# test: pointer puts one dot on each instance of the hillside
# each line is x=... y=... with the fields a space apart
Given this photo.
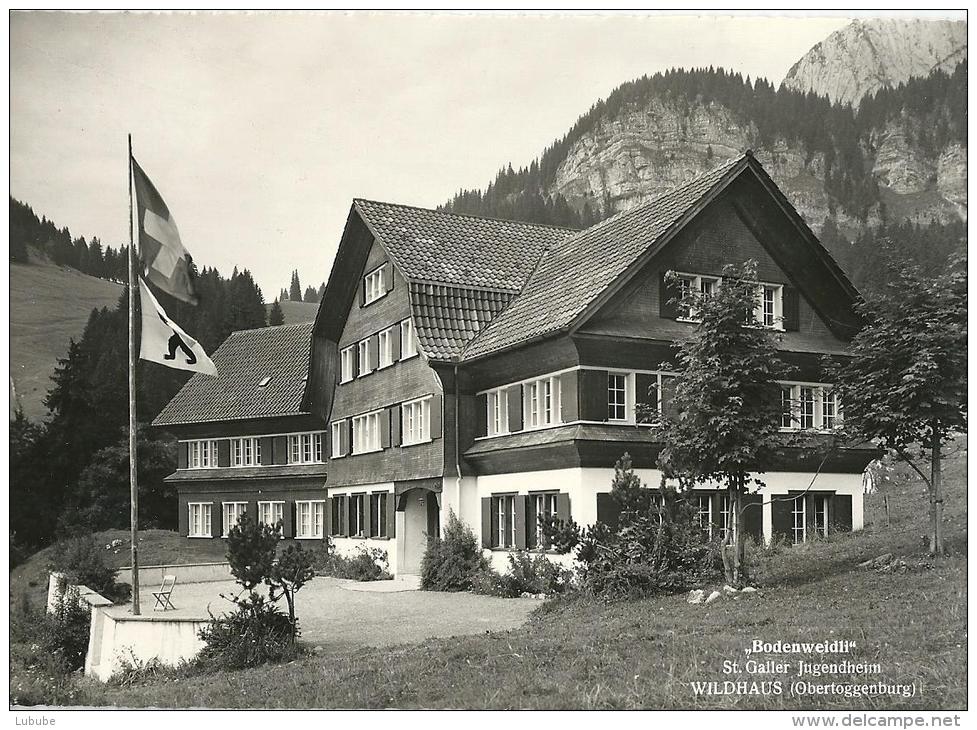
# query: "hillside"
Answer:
x=867 y=55
x=296 y=312
x=49 y=305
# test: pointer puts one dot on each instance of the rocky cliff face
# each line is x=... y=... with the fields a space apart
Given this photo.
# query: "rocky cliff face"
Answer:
x=630 y=159
x=863 y=57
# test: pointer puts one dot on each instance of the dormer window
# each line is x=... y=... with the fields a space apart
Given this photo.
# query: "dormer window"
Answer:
x=264 y=381
x=374 y=286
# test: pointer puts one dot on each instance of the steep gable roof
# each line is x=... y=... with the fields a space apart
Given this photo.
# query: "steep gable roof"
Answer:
x=573 y=273
x=243 y=361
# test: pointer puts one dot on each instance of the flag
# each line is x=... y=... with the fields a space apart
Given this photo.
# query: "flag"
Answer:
x=165 y=262
x=164 y=342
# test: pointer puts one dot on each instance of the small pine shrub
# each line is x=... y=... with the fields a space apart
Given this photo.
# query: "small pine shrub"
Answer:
x=453 y=562
x=255 y=633
x=527 y=573
x=367 y=564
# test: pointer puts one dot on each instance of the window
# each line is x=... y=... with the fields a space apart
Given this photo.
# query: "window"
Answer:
x=819 y=503
x=199 y=521
x=770 y=306
x=504 y=521
x=617 y=396
x=357 y=515
x=693 y=286
x=271 y=513
x=724 y=517
x=786 y=407
x=364 y=358
x=338 y=506
x=544 y=507
x=408 y=345
x=373 y=286
x=386 y=342
x=347 y=358
x=703 y=515
x=305 y=448
x=338 y=427
x=366 y=433
x=799 y=515
x=829 y=409
x=308 y=519
x=378 y=514
x=807 y=407
x=232 y=513
x=246 y=451
x=498 y=413
x=416 y=416
x=542 y=402
x=202 y=455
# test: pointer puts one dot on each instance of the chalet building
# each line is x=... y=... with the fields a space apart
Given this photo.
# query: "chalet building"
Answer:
x=496 y=369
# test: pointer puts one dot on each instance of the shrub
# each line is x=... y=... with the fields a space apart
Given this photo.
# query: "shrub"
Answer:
x=82 y=561
x=366 y=564
x=256 y=632
x=453 y=562
x=535 y=574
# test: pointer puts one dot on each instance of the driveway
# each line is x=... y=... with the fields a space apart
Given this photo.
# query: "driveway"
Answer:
x=336 y=616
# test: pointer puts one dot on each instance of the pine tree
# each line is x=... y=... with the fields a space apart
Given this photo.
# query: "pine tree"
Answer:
x=295 y=290
x=310 y=295
x=276 y=316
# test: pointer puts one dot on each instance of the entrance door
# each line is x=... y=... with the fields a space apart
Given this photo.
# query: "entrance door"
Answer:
x=418 y=506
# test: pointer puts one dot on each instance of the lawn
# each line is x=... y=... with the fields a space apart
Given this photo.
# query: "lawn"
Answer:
x=911 y=621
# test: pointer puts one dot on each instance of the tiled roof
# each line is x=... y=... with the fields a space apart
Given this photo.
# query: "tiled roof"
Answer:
x=459 y=250
x=574 y=272
x=243 y=360
x=448 y=317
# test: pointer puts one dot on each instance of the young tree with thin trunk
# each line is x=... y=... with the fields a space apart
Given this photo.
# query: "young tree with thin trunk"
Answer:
x=726 y=400
x=906 y=384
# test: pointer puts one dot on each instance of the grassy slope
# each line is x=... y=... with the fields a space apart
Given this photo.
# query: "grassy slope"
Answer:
x=48 y=306
x=296 y=312
x=643 y=654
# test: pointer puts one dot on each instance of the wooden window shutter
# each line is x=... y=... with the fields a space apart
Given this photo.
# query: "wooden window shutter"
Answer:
x=436 y=420
x=608 y=510
x=183 y=518
x=488 y=521
x=348 y=437
x=752 y=505
x=840 y=513
x=373 y=348
x=520 y=525
x=388 y=276
x=386 y=427
x=344 y=515
x=327 y=511
x=354 y=358
x=391 y=515
x=792 y=309
x=288 y=516
x=267 y=450
x=396 y=349
x=569 y=401
x=782 y=517
x=592 y=387
x=531 y=522
x=224 y=452
x=396 y=437
x=280 y=449
x=482 y=415
x=362 y=289
x=563 y=506
x=182 y=450
x=645 y=394
x=514 y=395
x=367 y=515
x=216 y=520
x=669 y=294
x=669 y=409
x=252 y=510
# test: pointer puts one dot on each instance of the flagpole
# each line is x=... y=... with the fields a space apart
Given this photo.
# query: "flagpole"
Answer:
x=133 y=484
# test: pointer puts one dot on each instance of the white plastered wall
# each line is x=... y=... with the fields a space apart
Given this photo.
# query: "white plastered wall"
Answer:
x=350 y=546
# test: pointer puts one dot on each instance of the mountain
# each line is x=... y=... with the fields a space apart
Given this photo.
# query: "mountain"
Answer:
x=867 y=55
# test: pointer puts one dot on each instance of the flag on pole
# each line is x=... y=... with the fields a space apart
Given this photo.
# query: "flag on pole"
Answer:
x=164 y=342
x=165 y=261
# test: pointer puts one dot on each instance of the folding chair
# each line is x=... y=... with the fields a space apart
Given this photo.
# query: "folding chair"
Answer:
x=163 y=596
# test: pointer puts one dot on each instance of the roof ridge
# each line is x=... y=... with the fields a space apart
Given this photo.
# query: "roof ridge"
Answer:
x=271 y=327
x=469 y=215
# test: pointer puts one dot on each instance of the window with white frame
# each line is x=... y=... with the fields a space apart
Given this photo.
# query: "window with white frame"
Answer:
x=378 y=514
x=366 y=433
x=542 y=402
x=305 y=448
x=829 y=408
x=347 y=361
x=408 y=344
x=199 y=519
x=819 y=503
x=693 y=286
x=544 y=507
x=703 y=515
x=386 y=345
x=357 y=515
x=799 y=517
x=363 y=357
x=232 y=513
x=246 y=451
x=416 y=417
x=786 y=407
x=504 y=521
x=725 y=521
x=770 y=306
x=373 y=285
x=337 y=439
x=809 y=406
x=202 y=454
x=308 y=519
x=271 y=513
x=617 y=396
x=498 y=412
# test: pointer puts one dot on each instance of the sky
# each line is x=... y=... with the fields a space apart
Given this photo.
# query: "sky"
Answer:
x=259 y=129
